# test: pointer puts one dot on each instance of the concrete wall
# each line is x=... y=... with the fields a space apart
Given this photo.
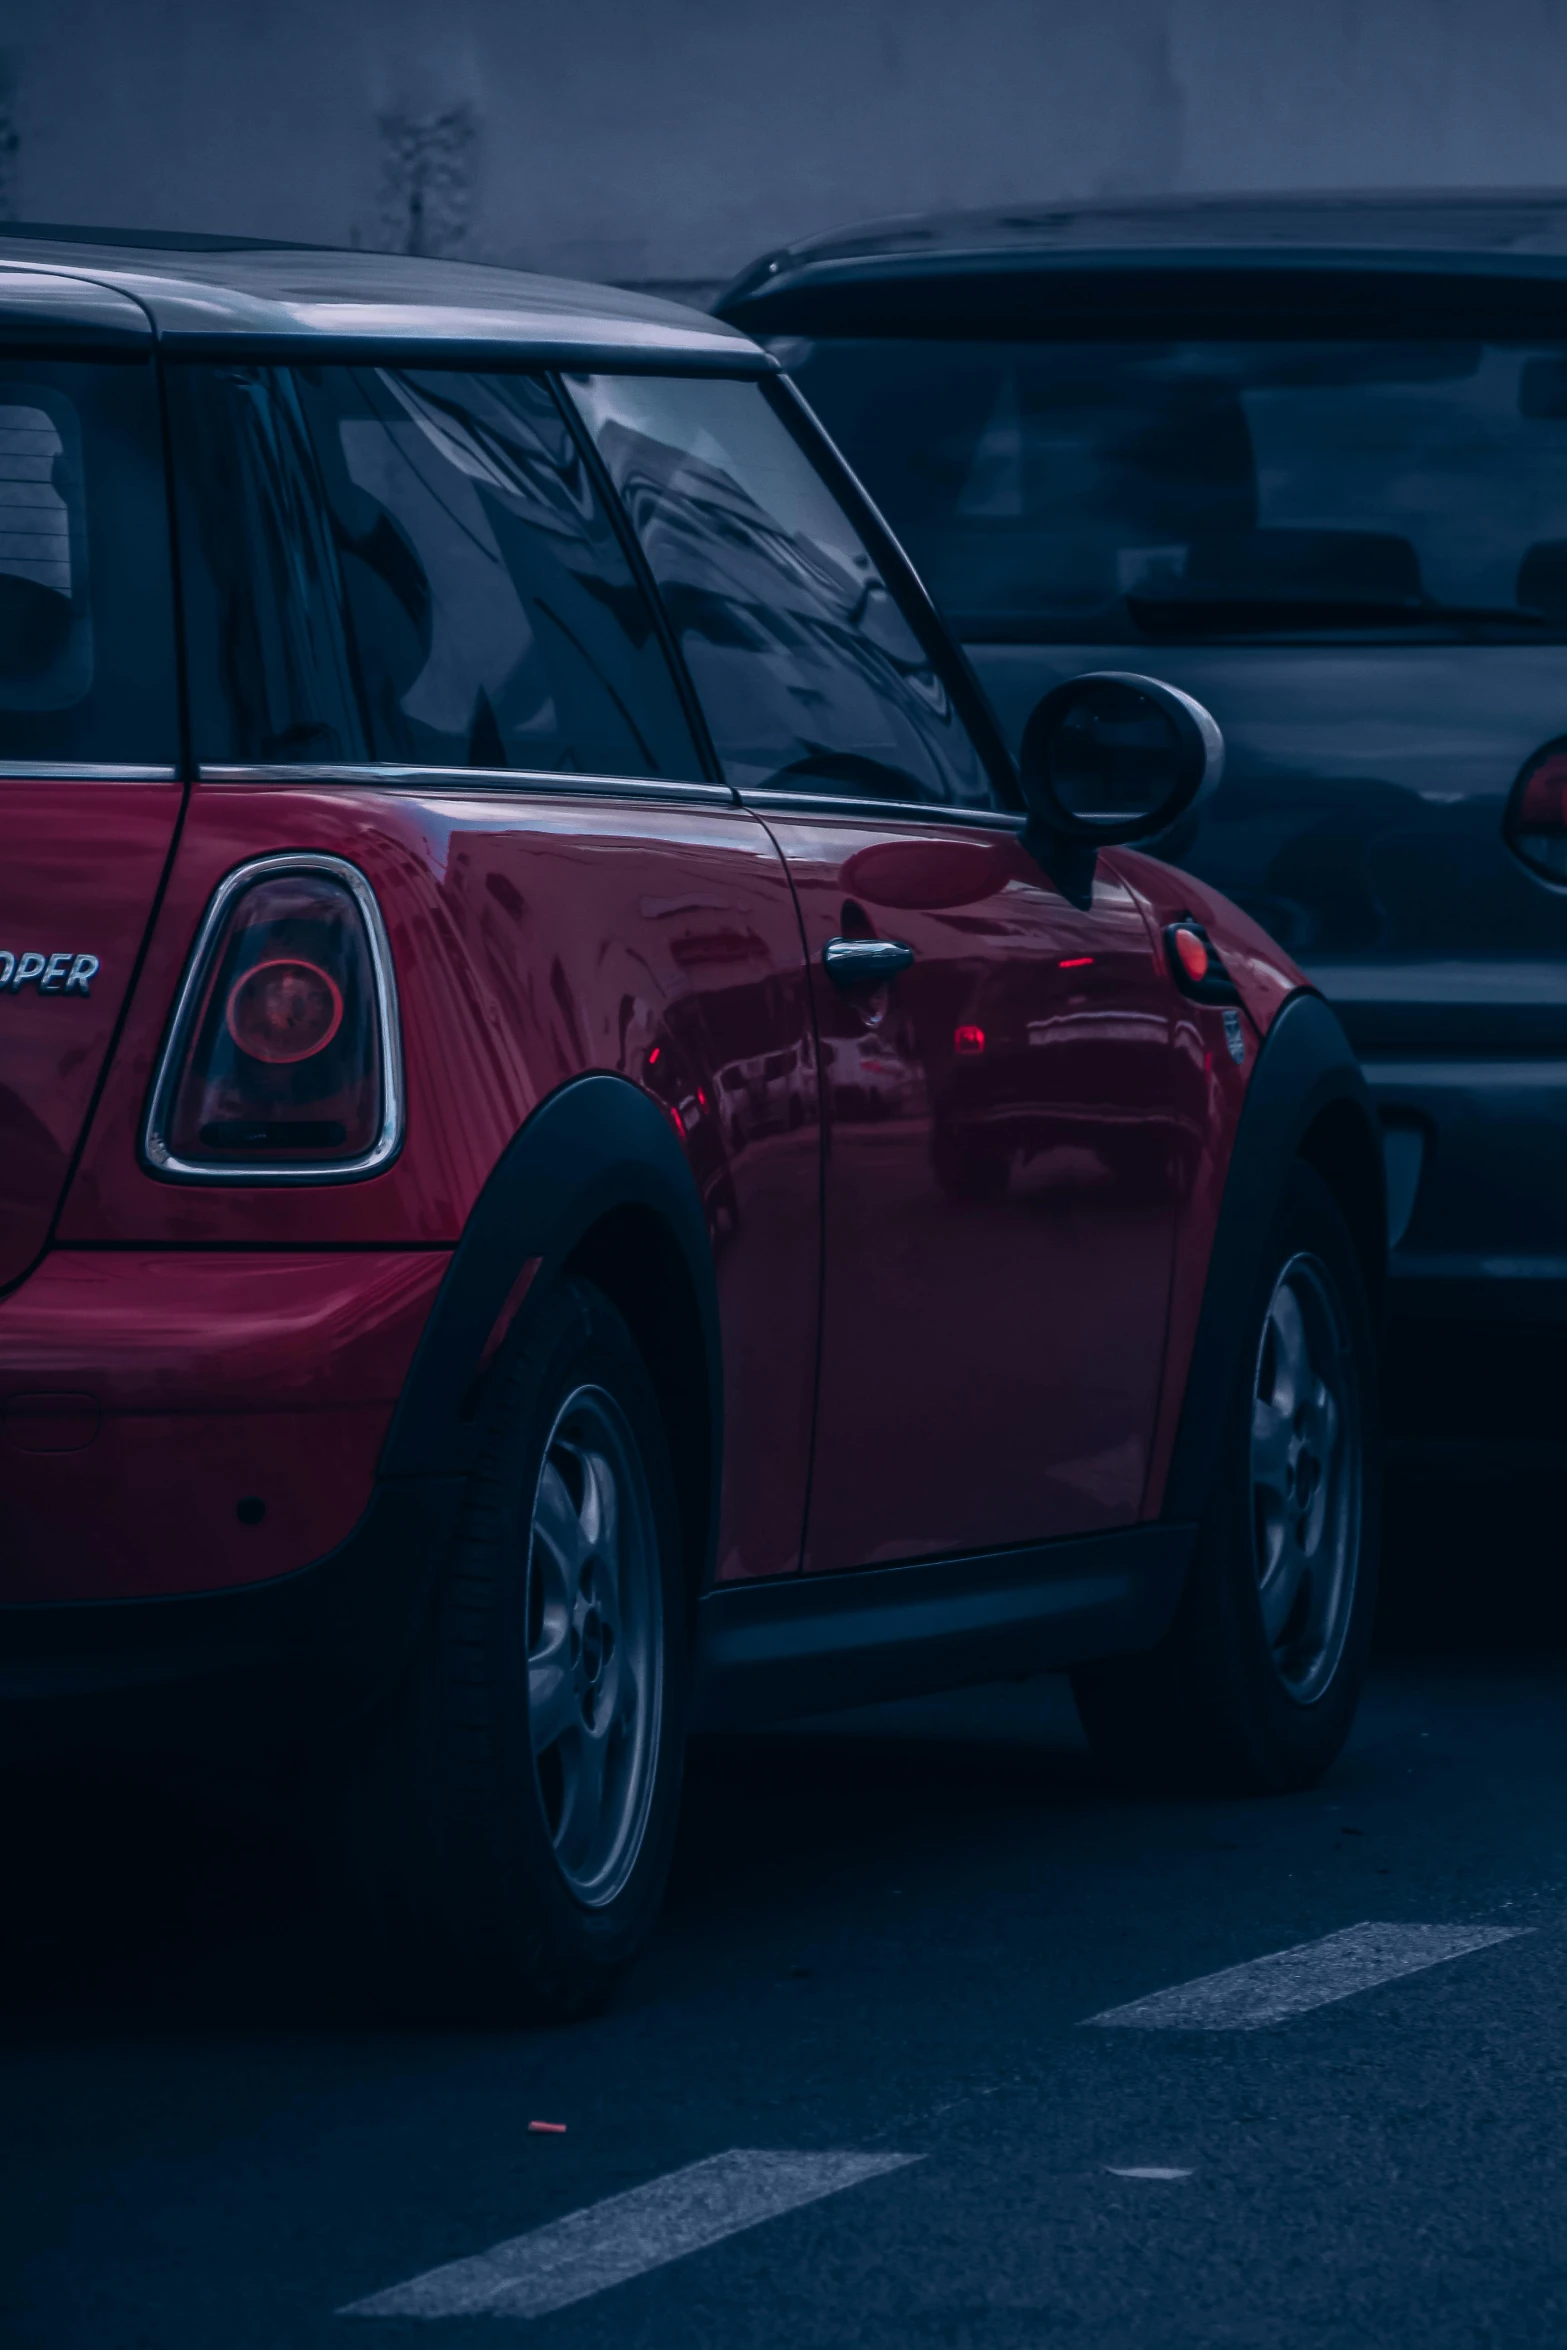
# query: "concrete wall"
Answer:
x=671 y=140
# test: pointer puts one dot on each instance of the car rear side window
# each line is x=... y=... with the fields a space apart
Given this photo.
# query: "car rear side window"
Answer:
x=1131 y=492
x=86 y=612
x=810 y=672
x=421 y=575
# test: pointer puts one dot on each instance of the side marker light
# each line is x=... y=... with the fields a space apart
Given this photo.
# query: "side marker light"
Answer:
x=1197 y=966
x=1191 y=952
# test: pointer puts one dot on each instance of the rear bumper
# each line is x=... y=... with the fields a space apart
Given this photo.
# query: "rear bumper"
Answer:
x=1477 y=1283
x=176 y=1422
x=267 y=1665
x=1477 y=1185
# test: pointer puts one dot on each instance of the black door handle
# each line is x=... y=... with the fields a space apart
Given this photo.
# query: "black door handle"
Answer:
x=865 y=962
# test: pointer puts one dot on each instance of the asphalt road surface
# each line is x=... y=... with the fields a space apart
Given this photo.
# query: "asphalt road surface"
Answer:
x=869 y=2088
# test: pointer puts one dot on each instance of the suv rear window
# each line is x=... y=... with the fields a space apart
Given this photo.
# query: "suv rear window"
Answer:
x=86 y=614
x=1120 y=492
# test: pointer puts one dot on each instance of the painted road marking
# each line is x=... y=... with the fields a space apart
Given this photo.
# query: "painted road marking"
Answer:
x=1267 y=1990
x=627 y=2235
x=1144 y=2170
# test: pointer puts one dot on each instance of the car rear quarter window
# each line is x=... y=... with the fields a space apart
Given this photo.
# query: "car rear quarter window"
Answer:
x=809 y=670
x=1215 y=488
x=413 y=568
x=86 y=611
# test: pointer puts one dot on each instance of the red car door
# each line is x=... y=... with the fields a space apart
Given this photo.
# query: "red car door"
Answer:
x=998 y=1208
x=995 y=1065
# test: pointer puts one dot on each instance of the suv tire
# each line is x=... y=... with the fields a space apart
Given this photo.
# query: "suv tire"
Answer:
x=1254 y=1686
x=511 y=1821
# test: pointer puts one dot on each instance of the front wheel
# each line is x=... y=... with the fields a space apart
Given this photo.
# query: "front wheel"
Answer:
x=1254 y=1687
x=510 y=1824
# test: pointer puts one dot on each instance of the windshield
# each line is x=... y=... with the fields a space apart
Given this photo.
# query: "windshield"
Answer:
x=1120 y=492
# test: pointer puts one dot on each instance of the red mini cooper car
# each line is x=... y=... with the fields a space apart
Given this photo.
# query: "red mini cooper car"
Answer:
x=583 y=1155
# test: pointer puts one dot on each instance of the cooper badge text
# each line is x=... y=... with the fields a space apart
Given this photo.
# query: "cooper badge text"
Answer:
x=66 y=974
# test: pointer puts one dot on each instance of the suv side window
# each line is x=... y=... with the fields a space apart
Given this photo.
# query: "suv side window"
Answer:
x=86 y=605
x=811 y=674
x=449 y=541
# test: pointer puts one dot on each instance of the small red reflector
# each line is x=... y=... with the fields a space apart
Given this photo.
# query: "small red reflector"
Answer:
x=1543 y=804
x=677 y=1121
x=968 y=1039
x=1193 y=954
x=284 y=1010
x=1075 y=962
x=652 y=1059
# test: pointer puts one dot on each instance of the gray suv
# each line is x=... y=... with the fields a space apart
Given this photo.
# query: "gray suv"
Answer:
x=1306 y=460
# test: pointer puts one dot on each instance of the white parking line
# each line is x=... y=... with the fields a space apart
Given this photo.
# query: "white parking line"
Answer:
x=1313 y=1974
x=626 y=2235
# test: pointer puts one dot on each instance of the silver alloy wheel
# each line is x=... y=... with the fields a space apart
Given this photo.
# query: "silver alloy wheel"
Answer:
x=1305 y=1477
x=595 y=1644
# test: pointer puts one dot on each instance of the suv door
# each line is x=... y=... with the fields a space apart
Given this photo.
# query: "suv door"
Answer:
x=89 y=790
x=995 y=1064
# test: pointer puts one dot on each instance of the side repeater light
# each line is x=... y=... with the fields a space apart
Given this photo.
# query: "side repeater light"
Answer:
x=1196 y=964
x=283 y=1061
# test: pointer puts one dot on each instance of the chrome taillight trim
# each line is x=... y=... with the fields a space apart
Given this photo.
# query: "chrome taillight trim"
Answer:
x=155 y=1149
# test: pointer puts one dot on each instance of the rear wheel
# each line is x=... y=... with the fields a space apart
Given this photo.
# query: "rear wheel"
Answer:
x=1254 y=1686
x=511 y=1823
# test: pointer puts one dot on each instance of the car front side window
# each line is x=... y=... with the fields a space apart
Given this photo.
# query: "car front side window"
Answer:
x=811 y=673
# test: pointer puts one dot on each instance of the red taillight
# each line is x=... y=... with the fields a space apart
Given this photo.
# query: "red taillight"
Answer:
x=284 y=1010
x=968 y=1039
x=1536 y=822
x=283 y=1056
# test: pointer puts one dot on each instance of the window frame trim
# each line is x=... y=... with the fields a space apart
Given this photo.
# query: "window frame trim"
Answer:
x=397 y=775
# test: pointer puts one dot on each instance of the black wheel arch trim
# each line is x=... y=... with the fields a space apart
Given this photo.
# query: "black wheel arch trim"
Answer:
x=1307 y=1098
x=595 y=1148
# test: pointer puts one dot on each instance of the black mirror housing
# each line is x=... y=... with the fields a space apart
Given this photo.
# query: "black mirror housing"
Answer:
x=1109 y=758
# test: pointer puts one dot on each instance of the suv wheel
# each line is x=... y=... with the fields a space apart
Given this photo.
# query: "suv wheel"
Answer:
x=511 y=1824
x=1254 y=1686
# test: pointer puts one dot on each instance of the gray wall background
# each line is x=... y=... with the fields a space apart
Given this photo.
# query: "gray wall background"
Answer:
x=671 y=141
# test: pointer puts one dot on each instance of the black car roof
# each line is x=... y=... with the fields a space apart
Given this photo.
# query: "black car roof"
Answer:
x=1501 y=236
x=1501 y=224
x=213 y=293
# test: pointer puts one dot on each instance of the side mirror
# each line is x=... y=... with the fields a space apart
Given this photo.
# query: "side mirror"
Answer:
x=1108 y=758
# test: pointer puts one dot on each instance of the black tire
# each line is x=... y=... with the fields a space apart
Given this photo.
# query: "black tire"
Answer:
x=1219 y=1706
x=451 y=1843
